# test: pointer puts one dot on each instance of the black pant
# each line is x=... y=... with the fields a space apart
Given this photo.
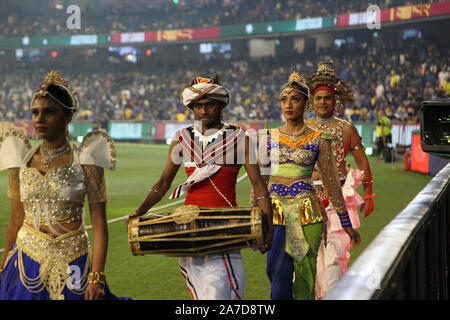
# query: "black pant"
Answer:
x=381 y=145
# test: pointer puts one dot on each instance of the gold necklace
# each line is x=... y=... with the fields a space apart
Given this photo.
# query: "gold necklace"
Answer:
x=323 y=122
x=50 y=154
x=298 y=133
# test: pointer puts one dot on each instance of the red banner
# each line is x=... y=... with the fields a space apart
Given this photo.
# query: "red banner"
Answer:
x=166 y=35
x=416 y=11
x=180 y=35
x=395 y=14
x=129 y=37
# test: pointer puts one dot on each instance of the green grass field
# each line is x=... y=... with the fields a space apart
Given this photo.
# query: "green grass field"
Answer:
x=158 y=277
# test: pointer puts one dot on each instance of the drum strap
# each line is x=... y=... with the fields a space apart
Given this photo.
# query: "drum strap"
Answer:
x=218 y=191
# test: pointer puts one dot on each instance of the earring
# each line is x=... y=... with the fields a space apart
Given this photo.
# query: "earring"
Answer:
x=309 y=106
x=339 y=107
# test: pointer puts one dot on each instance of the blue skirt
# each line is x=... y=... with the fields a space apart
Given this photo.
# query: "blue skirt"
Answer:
x=12 y=288
x=280 y=267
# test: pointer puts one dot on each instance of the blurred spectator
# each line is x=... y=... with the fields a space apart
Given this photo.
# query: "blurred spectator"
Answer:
x=354 y=114
x=382 y=133
x=443 y=75
x=379 y=90
x=446 y=87
x=401 y=115
x=428 y=92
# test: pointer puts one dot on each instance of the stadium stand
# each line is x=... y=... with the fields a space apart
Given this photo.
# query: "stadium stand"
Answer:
x=393 y=78
x=40 y=18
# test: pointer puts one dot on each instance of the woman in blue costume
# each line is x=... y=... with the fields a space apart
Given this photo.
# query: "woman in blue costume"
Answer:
x=288 y=155
x=47 y=253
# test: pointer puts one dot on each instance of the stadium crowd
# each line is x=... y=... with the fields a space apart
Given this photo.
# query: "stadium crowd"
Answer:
x=37 y=18
x=388 y=79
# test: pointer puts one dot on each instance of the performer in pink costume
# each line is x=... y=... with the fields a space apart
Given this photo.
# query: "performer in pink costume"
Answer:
x=330 y=93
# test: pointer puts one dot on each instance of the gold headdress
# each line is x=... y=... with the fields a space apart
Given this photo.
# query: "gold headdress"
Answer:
x=325 y=78
x=296 y=79
x=54 y=78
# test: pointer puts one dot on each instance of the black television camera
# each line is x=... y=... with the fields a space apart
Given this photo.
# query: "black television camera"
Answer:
x=435 y=127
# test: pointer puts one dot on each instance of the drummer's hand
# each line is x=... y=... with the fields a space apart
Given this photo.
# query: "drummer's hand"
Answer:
x=354 y=236
x=131 y=216
x=94 y=291
x=268 y=242
x=264 y=249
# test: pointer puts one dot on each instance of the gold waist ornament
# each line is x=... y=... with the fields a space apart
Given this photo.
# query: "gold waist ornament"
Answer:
x=307 y=207
x=54 y=256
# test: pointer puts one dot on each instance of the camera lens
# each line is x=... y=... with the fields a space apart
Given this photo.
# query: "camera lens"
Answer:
x=437 y=125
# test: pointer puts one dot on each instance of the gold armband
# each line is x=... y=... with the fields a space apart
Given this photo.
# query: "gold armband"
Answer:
x=357 y=146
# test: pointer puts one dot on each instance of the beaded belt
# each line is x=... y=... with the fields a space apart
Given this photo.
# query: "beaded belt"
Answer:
x=293 y=190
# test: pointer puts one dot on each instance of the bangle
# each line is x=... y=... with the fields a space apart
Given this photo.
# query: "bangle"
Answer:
x=262 y=197
x=367 y=181
x=345 y=220
x=156 y=191
x=370 y=196
x=97 y=277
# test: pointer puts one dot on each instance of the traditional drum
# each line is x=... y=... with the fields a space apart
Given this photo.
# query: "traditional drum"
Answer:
x=190 y=230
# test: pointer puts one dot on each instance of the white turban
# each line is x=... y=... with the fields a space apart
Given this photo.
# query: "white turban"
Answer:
x=205 y=89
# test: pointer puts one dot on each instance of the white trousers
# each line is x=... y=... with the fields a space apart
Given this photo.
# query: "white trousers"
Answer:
x=333 y=257
x=332 y=261
x=215 y=276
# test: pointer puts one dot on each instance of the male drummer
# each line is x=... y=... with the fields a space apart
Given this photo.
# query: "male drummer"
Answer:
x=213 y=153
